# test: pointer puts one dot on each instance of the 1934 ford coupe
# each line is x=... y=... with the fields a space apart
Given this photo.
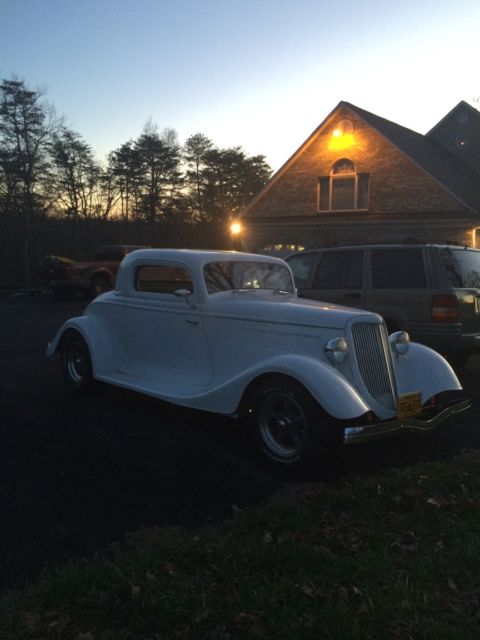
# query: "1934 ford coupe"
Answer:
x=225 y=332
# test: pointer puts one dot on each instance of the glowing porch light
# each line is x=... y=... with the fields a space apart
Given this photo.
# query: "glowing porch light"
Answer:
x=342 y=135
x=235 y=228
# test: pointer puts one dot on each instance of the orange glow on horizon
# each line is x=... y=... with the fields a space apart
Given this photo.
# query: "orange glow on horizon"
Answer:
x=235 y=228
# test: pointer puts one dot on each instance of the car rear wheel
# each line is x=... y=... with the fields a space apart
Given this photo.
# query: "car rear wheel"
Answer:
x=289 y=426
x=76 y=361
x=98 y=285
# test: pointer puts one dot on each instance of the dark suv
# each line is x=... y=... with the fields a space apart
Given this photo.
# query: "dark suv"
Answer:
x=431 y=291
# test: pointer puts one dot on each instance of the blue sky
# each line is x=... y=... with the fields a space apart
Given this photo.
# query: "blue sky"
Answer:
x=255 y=73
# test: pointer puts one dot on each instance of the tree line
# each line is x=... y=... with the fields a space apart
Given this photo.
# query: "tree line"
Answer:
x=151 y=188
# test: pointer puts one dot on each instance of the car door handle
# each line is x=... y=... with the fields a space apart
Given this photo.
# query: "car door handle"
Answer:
x=192 y=322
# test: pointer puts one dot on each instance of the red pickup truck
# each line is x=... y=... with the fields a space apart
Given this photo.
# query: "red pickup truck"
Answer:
x=66 y=277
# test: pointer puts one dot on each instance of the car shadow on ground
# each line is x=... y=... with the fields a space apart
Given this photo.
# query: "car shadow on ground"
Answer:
x=117 y=461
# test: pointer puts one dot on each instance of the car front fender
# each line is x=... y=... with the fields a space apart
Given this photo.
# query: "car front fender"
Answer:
x=329 y=388
x=423 y=369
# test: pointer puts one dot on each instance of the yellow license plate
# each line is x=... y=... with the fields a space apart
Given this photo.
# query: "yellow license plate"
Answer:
x=409 y=404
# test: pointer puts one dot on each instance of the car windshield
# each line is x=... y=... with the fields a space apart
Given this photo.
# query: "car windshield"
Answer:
x=463 y=267
x=231 y=275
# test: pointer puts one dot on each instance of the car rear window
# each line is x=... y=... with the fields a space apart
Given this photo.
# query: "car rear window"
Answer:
x=398 y=269
x=162 y=279
x=462 y=267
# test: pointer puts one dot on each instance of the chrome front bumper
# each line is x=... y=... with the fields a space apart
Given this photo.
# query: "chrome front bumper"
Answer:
x=375 y=431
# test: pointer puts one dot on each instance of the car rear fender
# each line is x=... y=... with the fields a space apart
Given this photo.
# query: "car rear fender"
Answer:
x=331 y=390
x=106 y=351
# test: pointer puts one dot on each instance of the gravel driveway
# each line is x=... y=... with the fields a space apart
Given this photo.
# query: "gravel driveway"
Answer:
x=78 y=473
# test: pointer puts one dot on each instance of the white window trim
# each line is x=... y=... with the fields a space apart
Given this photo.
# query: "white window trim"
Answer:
x=340 y=176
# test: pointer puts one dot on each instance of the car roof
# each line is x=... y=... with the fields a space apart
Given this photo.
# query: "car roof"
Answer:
x=193 y=258
x=410 y=245
x=196 y=256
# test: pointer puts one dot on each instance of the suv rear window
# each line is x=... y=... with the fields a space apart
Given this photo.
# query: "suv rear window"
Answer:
x=462 y=267
x=398 y=269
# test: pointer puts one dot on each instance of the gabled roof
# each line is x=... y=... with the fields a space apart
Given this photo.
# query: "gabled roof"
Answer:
x=455 y=176
x=462 y=104
x=443 y=166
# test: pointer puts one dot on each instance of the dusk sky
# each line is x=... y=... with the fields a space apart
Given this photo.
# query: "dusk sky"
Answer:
x=254 y=73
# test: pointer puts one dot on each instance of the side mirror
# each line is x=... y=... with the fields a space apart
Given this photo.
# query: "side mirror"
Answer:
x=185 y=294
x=182 y=293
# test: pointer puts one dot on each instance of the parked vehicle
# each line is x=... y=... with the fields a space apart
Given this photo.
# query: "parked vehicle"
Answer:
x=66 y=277
x=226 y=332
x=430 y=291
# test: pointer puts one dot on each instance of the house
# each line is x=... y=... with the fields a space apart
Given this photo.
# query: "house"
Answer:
x=361 y=178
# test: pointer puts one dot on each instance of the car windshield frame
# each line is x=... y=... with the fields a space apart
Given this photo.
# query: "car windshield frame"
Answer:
x=251 y=275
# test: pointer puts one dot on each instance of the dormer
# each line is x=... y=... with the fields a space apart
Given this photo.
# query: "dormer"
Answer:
x=459 y=132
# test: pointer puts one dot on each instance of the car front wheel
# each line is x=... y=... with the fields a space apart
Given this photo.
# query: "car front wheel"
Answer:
x=76 y=361
x=289 y=426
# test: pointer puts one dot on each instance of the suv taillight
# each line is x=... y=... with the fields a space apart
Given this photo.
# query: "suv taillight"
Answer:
x=445 y=308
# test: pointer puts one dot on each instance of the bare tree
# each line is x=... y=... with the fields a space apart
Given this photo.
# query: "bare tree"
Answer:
x=26 y=128
x=82 y=185
x=195 y=150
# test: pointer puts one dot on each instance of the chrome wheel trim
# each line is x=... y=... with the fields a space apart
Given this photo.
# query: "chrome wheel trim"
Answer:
x=76 y=362
x=282 y=424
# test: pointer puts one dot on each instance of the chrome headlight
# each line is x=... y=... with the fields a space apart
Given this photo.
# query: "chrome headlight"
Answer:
x=399 y=342
x=337 y=350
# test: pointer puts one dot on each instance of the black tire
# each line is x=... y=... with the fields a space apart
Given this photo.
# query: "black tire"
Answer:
x=76 y=362
x=98 y=284
x=288 y=426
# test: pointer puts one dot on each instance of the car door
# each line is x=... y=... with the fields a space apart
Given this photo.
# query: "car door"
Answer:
x=164 y=330
x=338 y=278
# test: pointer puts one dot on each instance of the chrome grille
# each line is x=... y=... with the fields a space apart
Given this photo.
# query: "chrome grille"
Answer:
x=371 y=350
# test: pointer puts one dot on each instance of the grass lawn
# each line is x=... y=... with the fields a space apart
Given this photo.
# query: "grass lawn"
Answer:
x=396 y=556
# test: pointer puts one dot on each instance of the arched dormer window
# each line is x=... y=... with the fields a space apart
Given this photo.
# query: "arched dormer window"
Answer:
x=344 y=189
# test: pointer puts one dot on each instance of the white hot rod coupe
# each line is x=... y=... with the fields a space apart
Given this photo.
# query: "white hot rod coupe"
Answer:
x=225 y=332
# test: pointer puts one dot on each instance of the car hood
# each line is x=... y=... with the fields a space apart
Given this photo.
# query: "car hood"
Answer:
x=266 y=306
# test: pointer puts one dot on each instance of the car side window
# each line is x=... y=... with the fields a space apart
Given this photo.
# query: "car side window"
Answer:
x=160 y=278
x=398 y=269
x=462 y=267
x=301 y=265
x=339 y=270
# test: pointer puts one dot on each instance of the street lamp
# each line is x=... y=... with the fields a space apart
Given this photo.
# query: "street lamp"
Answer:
x=236 y=232
x=235 y=228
